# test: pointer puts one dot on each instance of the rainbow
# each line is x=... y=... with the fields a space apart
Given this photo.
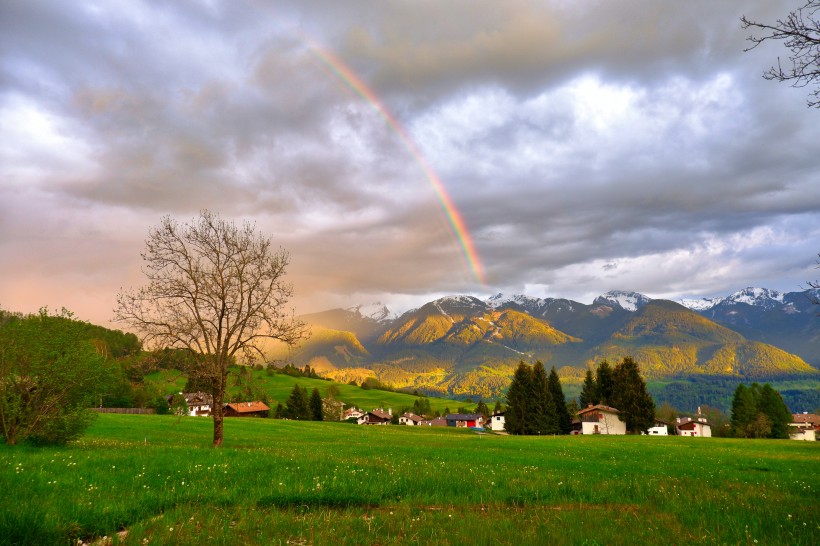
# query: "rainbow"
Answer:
x=452 y=213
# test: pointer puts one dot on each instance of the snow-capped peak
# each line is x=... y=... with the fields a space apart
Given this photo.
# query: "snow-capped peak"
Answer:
x=376 y=311
x=628 y=301
x=760 y=297
x=527 y=302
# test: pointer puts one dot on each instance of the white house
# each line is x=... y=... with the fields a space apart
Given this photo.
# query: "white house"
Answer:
x=410 y=419
x=601 y=419
x=658 y=430
x=699 y=426
x=497 y=422
x=353 y=412
x=199 y=403
x=804 y=426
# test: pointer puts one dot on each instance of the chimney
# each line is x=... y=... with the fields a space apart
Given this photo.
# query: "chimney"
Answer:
x=589 y=406
x=389 y=411
x=678 y=420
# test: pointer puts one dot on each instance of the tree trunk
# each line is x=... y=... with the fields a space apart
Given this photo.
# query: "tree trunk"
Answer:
x=218 y=413
x=218 y=418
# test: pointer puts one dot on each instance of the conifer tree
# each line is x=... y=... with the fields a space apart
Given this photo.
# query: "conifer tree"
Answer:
x=605 y=384
x=589 y=391
x=297 y=404
x=498 y=407
x=631 y=397
x=482 y=409
x=517 y=400
x=562 y=416
x=316 y=405
x=541 y=419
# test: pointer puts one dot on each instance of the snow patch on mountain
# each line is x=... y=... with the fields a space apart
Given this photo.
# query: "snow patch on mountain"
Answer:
x=533 y=306
x=376 y=311
x=757 y=297
x=628 y=301
x=760 y=297
x=701 y=304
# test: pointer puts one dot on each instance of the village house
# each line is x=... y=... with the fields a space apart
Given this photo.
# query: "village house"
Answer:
x=199 y=403
x=698 y=426
x=661 y=428
x=352 y=413
x=246 y=409
x=804 y=426
x=410 y=419
x=376 y=417
x=497 y=422
x=464 y=420
x=437 y=422
x=600 y=419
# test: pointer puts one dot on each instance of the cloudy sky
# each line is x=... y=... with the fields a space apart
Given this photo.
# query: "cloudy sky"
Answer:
x=588 y=146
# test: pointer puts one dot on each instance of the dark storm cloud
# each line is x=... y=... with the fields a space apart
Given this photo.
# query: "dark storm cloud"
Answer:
x=589 y=146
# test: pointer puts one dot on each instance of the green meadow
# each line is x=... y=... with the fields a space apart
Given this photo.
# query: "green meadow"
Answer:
x=156 y=480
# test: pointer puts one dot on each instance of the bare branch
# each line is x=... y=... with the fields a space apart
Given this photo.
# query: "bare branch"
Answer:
x=214 y=289
x=800 y=33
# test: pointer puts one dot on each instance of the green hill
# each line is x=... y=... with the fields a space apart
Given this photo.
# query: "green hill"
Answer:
x=278 y=387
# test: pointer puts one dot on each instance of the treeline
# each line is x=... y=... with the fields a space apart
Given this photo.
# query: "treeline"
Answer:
x=759 y=412
x=52 y=369
x=622 y=388
x=689 y=392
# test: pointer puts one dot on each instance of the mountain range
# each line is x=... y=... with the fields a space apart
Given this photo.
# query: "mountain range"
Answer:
x=462 y=345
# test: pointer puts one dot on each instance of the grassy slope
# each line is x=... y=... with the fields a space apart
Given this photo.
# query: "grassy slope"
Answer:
x=288 y=482
x=278 y=387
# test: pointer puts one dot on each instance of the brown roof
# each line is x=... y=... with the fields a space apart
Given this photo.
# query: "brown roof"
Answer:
x=598 y=407
x=413 y=417
x=809 y=418
x=381 y=414
x=248 y=407
x=695 y=420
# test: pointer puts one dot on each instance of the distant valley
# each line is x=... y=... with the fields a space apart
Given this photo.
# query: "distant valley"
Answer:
x=465 y=346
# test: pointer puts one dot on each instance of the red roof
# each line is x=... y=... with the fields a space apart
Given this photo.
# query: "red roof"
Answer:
x=809 y=418
x=248 y=407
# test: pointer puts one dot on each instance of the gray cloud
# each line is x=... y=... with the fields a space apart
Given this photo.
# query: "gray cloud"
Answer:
x=588 y=146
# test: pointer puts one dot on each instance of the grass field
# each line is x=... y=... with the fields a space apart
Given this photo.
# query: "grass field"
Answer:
x=283 y=482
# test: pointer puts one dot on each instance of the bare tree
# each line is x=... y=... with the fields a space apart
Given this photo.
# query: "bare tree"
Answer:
x=216 y=290
x=800 y=32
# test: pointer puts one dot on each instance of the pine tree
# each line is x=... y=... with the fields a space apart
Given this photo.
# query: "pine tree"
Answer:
x=517 y=397
x=483 y=409
x=562 y=416
x=297 y=404
x=498 y=407
x=589 y=391
x=605 y=383
x=316 y=405
x=541 y=417
x=631 y=397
